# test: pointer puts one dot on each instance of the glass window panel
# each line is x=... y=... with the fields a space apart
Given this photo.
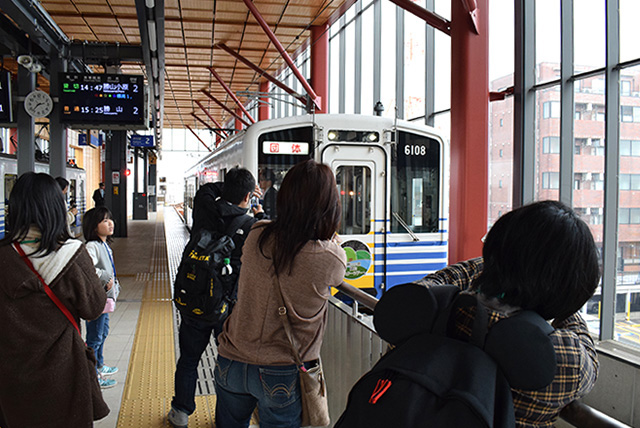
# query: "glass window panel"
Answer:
x=547 y=165
x=628 y=256
x=442 y=91
x=354 y=186
x=388 y=67
x=443 y=8
x=500 y=158
x=334 y=74
x=414 y=66
x=547 y=36
x=629 y=30
x=589 y=34
x=501 y=43
x=366 y=81
x=349 y=70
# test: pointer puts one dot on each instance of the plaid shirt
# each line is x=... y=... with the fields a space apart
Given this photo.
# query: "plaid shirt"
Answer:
x=576 y=365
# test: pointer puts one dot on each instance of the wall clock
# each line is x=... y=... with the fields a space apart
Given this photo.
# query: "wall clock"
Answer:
x=38 y=104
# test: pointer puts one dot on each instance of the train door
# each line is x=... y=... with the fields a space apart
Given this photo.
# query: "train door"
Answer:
x=360 y=176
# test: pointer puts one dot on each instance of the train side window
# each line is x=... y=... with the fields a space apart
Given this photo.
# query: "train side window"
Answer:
x=354 y=186
x=415 y=181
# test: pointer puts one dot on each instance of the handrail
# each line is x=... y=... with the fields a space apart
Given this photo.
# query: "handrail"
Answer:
x=360 y=296
x=575 y=413
x=580 y=415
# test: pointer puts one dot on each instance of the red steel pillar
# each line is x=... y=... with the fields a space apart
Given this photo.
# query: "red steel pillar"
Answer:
x=469 y=131
x=263 y=106
x=237 y=123
x=320 y=64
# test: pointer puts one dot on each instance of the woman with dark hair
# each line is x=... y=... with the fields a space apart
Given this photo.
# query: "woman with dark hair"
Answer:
x=540 y=257
x=46 y=377
x=299 y=251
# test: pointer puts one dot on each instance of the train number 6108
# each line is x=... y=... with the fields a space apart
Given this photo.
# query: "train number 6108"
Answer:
x=415 y=150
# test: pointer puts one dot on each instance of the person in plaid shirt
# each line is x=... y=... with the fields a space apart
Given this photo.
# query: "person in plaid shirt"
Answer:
x=539 y=257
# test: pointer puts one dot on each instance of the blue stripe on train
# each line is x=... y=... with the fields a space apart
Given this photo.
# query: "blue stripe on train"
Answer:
x=411 y=244
x=414 y=256
x=378 y=269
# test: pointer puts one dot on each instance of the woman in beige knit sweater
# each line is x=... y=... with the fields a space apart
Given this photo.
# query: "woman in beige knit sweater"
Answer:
x=255 y=363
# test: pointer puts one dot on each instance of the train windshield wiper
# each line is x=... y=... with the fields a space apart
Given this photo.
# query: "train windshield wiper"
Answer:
x=406 y=226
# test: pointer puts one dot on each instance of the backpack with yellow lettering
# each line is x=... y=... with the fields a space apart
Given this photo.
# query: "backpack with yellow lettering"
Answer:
x=205 y=285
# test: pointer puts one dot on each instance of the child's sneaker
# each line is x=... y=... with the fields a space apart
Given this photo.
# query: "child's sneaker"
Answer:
x=107 y=371
x=106 y=383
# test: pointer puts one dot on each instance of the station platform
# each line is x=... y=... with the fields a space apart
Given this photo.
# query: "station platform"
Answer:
x=143 y=328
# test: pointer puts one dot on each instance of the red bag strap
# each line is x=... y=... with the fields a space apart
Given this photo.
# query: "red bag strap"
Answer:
x=47 y=289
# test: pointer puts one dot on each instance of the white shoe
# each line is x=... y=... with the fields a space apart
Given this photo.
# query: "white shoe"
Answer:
x=178 y=418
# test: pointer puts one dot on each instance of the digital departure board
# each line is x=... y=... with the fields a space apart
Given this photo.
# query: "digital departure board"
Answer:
x=5 y=97
x=104 y=101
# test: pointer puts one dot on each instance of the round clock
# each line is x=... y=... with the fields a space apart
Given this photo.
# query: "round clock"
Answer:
x=38 y=104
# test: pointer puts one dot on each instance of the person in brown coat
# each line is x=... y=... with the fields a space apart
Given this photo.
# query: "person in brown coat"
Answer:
x=46 y=377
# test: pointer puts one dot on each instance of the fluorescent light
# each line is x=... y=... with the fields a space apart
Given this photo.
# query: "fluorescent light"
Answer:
x=150 y=3
x=154 y=67
x=153 y=38
x=157 y=88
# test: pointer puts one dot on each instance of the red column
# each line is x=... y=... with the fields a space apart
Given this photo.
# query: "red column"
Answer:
x=469 y=131
x=320 y=64
x=237 y=123
x=263 y=107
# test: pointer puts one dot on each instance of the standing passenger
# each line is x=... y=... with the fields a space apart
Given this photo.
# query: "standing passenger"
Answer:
x=255 y=364
x=98 y=195
x=45 y=377
x=194 y=335
x=97 y=227
x=270 y=194
x=540 y=257
x=73 y=211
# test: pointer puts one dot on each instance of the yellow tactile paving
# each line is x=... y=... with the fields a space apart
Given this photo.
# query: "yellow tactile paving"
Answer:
x=149 y=386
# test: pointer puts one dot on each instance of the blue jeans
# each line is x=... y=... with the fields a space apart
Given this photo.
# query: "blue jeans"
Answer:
x=240 y=387
x=193 y=338
x=97 y=332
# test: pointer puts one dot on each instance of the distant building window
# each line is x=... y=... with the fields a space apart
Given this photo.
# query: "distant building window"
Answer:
x=600 y=117
x=629 y=182
x=630 y=114
x=625 y=87
x=550 y=180
x=629 y=147
x=551 y=145
x=551 y=109
x=598 y=86
x=501 y=122
x=501 y=152
x=629 y=216
x=578 y=115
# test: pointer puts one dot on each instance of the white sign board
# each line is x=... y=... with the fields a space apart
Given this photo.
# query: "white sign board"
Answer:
x=115 y=177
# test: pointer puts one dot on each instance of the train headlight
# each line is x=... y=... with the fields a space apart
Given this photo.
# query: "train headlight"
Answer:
x=372 y=136
x=332 y=135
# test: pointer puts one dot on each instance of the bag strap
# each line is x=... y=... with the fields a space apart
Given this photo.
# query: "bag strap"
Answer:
x=47 y=289
x=282 y=312
x=238 y=222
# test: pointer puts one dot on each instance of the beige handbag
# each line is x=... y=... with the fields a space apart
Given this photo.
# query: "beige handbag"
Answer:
x=313 y=390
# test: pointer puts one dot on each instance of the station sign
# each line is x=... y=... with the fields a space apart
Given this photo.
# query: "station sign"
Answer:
x=142 y=141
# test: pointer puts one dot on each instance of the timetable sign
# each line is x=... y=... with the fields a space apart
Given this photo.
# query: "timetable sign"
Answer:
x=285 y=148
x=104 y=101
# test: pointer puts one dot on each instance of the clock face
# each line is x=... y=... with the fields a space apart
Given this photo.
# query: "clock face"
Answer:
x=38 y=104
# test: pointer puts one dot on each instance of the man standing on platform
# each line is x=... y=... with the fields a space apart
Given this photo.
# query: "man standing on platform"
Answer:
x=270 y=194
x=215 y=211
x=98 y=195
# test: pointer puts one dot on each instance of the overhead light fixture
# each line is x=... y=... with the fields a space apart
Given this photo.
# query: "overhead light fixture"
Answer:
x=153 y=38
x=157 y=88
x=150 y=3
x=154 y=67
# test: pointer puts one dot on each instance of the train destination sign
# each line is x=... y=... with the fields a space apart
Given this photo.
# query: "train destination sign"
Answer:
x=285 y=148
x=106 y=101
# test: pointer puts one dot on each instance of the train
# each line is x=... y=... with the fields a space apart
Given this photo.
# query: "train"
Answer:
x=392 y=177
x=75 y=195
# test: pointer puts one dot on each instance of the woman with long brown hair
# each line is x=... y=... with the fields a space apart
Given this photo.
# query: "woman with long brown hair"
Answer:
x=298 y=250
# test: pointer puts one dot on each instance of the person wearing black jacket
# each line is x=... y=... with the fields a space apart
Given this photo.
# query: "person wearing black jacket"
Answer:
x=216 y=206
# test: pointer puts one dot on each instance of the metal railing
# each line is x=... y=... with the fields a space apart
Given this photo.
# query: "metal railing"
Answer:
x=352 y=347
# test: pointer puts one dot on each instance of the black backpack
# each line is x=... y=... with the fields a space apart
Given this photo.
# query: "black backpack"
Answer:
x=431 y=379
x=205 y=284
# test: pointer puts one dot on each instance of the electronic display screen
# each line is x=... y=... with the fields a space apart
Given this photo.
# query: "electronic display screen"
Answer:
x=5 y=97
x=107 y=101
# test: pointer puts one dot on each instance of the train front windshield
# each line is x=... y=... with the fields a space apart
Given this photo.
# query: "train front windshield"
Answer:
x=279 y=150
x=415 y=196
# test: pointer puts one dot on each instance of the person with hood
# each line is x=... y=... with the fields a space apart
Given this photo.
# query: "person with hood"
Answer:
x=48 y=378
x=215 y=207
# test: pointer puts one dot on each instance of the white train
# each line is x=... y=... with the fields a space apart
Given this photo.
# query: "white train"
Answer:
x=393 y=178
x=76 y=194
